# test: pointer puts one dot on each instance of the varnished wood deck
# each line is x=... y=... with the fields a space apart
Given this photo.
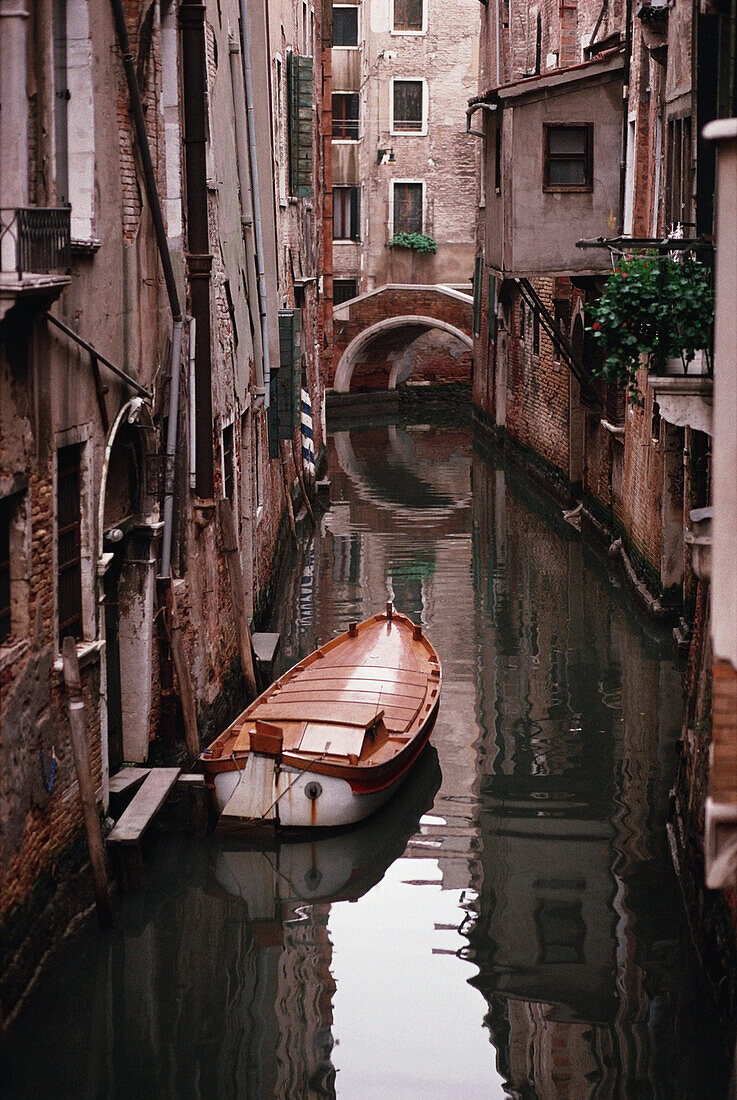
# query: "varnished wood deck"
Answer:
x=383 y=676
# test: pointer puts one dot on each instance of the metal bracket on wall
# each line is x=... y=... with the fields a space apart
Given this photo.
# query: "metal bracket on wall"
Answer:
x=589 y=395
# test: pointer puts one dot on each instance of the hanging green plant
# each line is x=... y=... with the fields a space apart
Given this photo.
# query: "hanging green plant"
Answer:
x=418 y=242
x=654 y=306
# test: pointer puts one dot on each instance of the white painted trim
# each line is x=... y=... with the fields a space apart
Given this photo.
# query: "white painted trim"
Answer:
x=344 y=370
x=441 y=288
x=408 y=34
x=80 y=121
x=422 y=132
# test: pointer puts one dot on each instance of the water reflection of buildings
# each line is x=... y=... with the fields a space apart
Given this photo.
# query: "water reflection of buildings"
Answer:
x=577 y=914
x=217 y=978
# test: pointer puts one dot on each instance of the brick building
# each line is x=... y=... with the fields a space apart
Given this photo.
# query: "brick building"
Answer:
x=161 y=221
x=592 y=123
x=401 y=164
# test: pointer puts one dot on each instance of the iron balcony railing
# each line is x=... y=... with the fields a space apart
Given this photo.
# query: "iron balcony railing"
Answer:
x=35 y=239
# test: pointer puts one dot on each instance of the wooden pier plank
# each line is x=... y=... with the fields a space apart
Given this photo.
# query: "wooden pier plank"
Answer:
x=126 y=778
x=145 y=805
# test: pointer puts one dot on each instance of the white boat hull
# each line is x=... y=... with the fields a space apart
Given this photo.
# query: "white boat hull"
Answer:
x=291 y=798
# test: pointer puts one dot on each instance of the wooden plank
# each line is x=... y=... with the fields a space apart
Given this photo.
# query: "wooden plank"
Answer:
x=372 y=688
x=127 y=778
x=349 y=714
x=330 y=700
x=265 y=646
x=329 y=671
x=80 y=751
x=238 y=596
x=145 y=805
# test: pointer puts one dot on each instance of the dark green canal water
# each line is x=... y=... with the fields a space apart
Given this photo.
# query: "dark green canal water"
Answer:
x=509 y=926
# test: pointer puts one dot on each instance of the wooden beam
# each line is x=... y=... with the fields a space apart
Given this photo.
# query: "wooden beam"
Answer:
x=80 y=748
x=186 y=691
x=231 y=550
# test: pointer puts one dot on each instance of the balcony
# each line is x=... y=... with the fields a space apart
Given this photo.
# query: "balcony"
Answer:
x=35 y=253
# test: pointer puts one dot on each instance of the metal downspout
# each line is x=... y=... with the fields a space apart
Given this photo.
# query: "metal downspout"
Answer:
x=199 y=257
x=625 y=112
x=256 y=192
x=247 y=198
x=152 y=194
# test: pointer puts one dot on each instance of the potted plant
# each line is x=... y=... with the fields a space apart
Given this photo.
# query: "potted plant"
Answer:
x=418 y=242
x=654 y=308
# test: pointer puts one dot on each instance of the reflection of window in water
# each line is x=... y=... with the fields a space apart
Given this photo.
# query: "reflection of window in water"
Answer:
x=560 y=931
x=407 y=594
x=346 y=559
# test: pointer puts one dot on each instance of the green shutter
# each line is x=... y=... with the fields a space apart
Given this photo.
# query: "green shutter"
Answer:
x=478 y=291
x=301 y=128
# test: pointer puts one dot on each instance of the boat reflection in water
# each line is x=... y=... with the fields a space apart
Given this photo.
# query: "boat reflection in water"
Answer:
x=335 y=867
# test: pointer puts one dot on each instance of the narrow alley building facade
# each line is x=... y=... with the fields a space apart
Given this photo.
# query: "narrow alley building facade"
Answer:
x=592 y=123
x=162 y=334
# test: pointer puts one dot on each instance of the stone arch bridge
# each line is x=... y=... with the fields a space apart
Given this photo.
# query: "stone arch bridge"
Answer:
x=398 y=332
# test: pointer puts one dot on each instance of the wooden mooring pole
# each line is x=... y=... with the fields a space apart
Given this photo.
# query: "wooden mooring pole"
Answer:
x=230 y=546
x=80 y=748
x=186 y=691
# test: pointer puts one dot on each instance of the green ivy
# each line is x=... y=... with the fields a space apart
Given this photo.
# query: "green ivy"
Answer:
x=418 y=242
x=651 y=305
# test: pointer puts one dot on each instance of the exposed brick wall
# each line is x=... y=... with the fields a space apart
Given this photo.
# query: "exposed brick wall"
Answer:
x=537 y=386
x=396 y=302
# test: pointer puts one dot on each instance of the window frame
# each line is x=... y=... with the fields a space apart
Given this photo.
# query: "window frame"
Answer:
x=69 y=465
x=422 y=131
x=354 y=191
x=228 y=466
x=588 y=157
x=356 y=45
x=357 y=120
x=679 y=169
x=393 y=184
x=342 y=281
x=396 y=30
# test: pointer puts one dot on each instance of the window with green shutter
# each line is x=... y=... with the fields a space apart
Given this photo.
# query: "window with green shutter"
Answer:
x=301 y=128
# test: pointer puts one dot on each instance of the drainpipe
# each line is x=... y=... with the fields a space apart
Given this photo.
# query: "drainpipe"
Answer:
x=247 y=200
x=256 y=192
x=152 y=195
x=199 y=257
x=14 y=98
x=625 y=112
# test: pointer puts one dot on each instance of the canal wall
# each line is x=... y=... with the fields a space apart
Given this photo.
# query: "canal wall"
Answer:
x=712 y=914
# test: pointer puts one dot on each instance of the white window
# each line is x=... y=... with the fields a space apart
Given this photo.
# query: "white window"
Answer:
x=629 y=179
x=170 y=110
x=74 y=123
x=407 y=206
x=408 y=107
x=409 y=17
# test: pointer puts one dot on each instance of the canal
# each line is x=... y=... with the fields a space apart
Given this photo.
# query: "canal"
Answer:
x=509 y=926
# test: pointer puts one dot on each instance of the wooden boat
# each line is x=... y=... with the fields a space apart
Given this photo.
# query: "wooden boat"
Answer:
x=332 y=739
